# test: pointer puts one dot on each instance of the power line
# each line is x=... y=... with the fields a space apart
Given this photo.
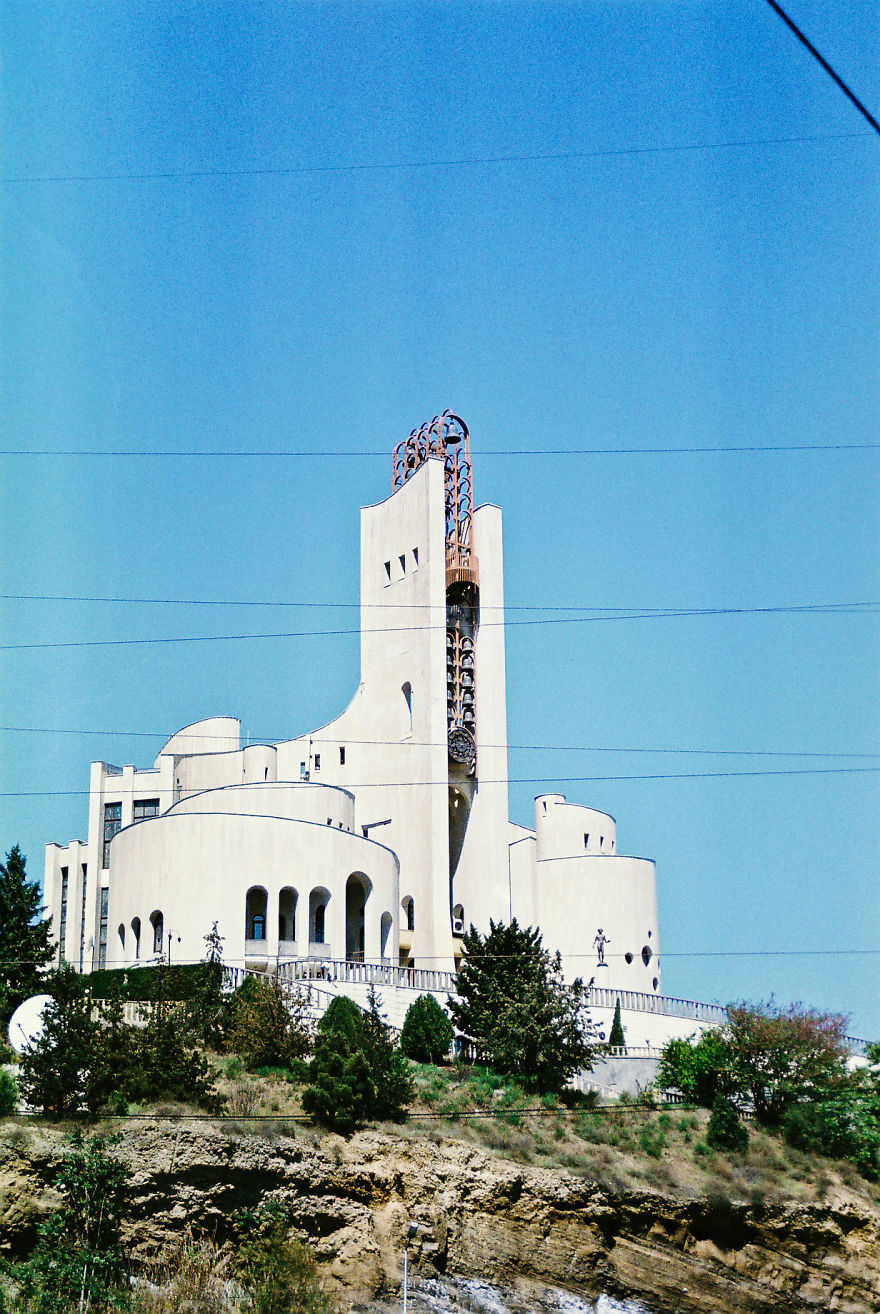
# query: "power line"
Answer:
x=837 y=609
x=824 y=62
x=282 y=171
x=289 y=454
x=323 y=605
x=318 y=739
x=508 y=780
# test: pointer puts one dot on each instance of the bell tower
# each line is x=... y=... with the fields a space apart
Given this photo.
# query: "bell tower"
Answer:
x=447 y=437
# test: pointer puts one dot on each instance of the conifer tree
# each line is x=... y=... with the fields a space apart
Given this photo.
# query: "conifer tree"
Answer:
x=617 y=1039
x=513 y=1003
x=25 y=940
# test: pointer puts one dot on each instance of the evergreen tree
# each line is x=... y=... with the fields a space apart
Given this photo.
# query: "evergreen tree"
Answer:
x=617 y=1040
x=70 y=1069
x=515 y=1006
x=25 y=940
x=426 y=1036
x=357 y=1071
x=725 y=1130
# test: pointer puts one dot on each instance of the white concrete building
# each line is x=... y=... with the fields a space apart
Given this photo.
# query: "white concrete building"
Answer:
x=376 y=839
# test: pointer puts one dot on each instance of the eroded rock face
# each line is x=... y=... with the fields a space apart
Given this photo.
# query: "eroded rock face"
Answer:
x=477 y=1215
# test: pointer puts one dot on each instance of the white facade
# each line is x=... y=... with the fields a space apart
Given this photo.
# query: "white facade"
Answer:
x=378 y=837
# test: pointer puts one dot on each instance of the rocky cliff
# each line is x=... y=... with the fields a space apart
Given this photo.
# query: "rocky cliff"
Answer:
x=477 y=1215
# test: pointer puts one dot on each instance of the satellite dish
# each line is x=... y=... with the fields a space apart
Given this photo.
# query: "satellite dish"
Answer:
x=26 y=1023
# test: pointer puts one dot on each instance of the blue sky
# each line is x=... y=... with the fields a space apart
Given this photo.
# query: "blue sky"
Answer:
x=310 y=227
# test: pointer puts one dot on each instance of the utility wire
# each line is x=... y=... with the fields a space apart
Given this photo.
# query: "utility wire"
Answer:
x=824 y=62
x=484 y=453
x=428 y=958
x=509 y=780
x=859 y=609
x=322 y=605
x=318 y=740
x=462 y=162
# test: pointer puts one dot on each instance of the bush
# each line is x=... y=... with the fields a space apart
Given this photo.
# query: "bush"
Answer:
x=268 y=1027
x=845 y=1124
x=177 y=981
x=8 y=1094
x=78 y=1261
x=277 y=1271
x=426 y=1036
x=725 y=1130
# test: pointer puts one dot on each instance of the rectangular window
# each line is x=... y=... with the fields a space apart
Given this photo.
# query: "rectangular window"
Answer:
x=586 y=840
x=302 y=768
x=112 y=826
x=82 y=919
x=62 y=929
x=317 y=761
x=102 y=929
x=388 y=572
x=145 y=807
x=342 y=755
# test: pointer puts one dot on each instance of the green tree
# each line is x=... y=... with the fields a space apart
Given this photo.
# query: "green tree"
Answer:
x=843 y=1122
x=8 y=1094
x=427 y=1033
x=389 y=1071
x=617 y=1040
x=78 y=1262
x=266 y=1025
x=781 y=1055
x=513 y=1004
x=71 y=1068
x=357 y=1071
x=88 y=1057
x=340 y=1090
x=701 y=1067
x=166 y=1062
x=25 y=940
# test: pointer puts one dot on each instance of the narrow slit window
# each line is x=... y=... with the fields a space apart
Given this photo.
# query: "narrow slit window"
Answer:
x=402 y=560
x=415 y=557
x=387 y=572
x=586 y=840
x=342 y=755
x=317 y=761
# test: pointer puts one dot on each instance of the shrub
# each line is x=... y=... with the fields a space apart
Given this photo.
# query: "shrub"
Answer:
x=725 y=1130
x=8 y=1094
x=78 y=1261
x=652 y=1141
x=426 y=1036
x=277 y=1271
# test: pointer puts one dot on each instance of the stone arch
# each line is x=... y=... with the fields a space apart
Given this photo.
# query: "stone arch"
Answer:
x=157 y=921
x=318 y=901
x=385 y=926
x=287 y=901
x=357 y=892
x=255 y=908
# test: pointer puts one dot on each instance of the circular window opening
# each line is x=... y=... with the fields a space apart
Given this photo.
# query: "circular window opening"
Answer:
x=646 y=954
x=601 y=1035
x=649 y=935
x=628 y=956
x=656 y=982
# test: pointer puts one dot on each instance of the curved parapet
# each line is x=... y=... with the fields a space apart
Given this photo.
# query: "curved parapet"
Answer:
x=567 y=830
x=326 y=805
x=216 y=734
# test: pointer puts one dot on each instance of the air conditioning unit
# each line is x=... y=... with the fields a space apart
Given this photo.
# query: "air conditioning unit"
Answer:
x=458 y=926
